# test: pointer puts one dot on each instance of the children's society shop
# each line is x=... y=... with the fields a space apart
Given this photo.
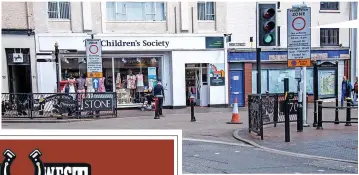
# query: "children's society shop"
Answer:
x=186 y=64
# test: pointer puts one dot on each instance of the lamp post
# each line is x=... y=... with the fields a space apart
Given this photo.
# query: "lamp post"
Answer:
x=57 y=67
x=227 y=37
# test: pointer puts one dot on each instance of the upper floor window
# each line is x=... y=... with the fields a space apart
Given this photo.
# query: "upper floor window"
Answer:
x=59 y=10
x=206 y=11
x=136 y=11
x=329 y=37
x=329 y=5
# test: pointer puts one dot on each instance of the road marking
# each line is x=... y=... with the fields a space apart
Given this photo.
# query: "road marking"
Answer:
x=237 y=151
x=218 y=142
x=196 y=155
x=321 y=170
x=216 y=153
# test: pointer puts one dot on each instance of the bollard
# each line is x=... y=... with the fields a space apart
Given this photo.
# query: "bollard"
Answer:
x=320 y=115
x=349 y=104
x=336 y=111
x=157 y=116
x=286 y=111
x=299 y=117
x=193 y=118
x=42 y=106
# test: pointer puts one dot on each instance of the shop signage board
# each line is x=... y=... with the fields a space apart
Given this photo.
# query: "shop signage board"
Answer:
x=299 y=37
x=94 y=58
x=214 y=42
x=217 y=75
x=103 y=104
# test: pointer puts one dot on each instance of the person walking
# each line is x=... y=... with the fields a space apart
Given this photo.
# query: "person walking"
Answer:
x=346 y=90
x=355 y=90
x=158 y=91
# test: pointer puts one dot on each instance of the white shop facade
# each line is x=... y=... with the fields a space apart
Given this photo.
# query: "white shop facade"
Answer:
x=186 y=64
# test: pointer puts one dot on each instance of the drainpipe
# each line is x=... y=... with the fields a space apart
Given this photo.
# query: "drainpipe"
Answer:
x=27 y=16
x=353 y=44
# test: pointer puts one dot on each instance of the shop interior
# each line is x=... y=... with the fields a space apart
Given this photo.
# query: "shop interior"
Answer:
x=197 y=84
x=130 y=77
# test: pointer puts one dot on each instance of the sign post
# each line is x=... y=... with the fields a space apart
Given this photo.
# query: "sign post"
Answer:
x=94 y=58
x=299 y=48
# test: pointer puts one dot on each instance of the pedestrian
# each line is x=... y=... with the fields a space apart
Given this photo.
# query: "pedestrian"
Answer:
x=355 y=90
x=346 y=90
x=158 y=91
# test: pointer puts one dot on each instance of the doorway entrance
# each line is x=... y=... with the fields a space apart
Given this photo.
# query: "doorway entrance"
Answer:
x=19 y=70
x=197 y=84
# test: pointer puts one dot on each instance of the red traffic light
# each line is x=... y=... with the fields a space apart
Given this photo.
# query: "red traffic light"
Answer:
x=269 y=26
x=268 y=13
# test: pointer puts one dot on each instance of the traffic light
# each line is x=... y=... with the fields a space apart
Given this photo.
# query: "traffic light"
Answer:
x=267 y=27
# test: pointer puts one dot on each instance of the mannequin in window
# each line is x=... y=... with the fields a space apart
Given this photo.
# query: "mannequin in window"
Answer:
x=81 y=87
x=139 y=82
x=89 y=87
x=102 y=85
x=131 y=82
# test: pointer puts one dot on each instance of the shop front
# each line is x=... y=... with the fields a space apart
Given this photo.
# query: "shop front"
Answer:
x=131 y=65
x=274 y=68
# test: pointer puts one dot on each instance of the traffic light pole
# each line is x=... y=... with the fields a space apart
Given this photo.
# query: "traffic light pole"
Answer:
x=258 y=60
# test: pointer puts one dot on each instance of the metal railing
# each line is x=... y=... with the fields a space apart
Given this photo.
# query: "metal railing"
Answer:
x=58 y=105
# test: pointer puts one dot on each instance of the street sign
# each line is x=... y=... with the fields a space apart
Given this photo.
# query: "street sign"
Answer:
x=299 y=37
x=94 y=58
x=95 y=83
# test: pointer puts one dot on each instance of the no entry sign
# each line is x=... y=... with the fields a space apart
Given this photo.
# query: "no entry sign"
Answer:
x=94 y=58
x=299 y=37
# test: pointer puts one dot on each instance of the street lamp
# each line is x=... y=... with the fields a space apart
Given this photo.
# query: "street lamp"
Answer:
x=57 y=67
x=227 y=37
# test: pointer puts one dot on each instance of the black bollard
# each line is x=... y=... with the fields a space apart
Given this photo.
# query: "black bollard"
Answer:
x=193 y=118
x=320 y=115
x=336 y=111
x=157 y=116
x=349 y=104
x=300 y=117
x=286 y=110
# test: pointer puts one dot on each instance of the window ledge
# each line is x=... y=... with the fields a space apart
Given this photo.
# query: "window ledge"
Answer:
x=136 y=21
x=59 y=20
x=330 y=46
x=206 y=21
x=329 y=11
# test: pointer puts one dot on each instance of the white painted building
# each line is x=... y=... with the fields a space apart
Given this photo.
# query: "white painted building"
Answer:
x=187 y=38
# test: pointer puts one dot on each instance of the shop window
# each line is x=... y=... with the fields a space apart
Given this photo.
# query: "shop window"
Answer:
x=329 y=37
x=264 y=77
x=72 y=67
x=134 y=77
x=136 y=11
x=206 y=11
x=329 y=5
x=59 y=10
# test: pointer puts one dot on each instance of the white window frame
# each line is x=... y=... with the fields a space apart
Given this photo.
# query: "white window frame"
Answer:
x=58 y=11
x=205 y=11
x=144 y=10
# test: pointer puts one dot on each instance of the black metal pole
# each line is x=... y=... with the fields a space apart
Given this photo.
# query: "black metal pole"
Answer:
x=157 y=116
x=300 y=117
x=57 y=67
x=336 y=94
x=258 y=59
x=92 y=36
x=348 y=119
x=193 y=118
x=315 y=79
x=286 y=110
x=320 y=115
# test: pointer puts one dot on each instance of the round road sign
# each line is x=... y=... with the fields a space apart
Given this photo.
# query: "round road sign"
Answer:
x=93 y=49
x=298 y=23
x=294 y=63
x=91 y=74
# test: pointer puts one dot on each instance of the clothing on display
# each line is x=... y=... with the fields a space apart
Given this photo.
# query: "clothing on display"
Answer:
x=102 y=85
x=139 y=78
x=118 y=81
x=88 y=84
x=131 y=82
x=81 y=84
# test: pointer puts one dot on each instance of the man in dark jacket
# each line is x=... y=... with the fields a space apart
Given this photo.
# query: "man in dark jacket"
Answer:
x=158 y=92
x=346 y=90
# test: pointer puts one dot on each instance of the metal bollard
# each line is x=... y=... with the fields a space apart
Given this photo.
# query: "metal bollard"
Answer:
x=157 y=116
x=300 y=117
x=320 y=115
x=286 y=111
x=336 y=111
x=193 y=118
x=315 y=122
x=349 y=104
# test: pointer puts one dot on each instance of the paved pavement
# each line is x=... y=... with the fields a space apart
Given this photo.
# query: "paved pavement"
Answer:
x=334 y=141
x=213 y=158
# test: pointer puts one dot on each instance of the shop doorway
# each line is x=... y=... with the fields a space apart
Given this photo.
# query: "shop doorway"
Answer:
x=196 y=84
x=19 y=77
x=236 y=87
x=19 y=70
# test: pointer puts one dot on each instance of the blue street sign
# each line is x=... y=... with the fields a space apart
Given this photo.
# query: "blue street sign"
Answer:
x=95 y=83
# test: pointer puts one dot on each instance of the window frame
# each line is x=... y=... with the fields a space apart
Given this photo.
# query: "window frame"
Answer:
x=205 y=11
x=328 y=44
x=58 y=18
x=145 y=12
x=328 y=9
